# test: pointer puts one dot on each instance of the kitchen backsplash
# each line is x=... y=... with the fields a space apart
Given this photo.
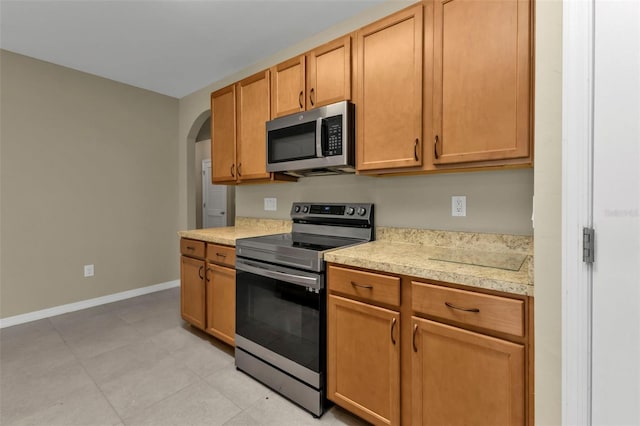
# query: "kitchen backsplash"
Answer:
x=497 y=201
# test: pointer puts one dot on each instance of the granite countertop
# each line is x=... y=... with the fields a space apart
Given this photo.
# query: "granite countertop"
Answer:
x=245 y=227
x=489 y=261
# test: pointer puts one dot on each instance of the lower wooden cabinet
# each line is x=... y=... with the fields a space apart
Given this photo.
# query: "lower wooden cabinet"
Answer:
x=208 y=288
x=221 y=302
x=464 y=378
x=363 y=361
x=192 y=291
x=404 y=351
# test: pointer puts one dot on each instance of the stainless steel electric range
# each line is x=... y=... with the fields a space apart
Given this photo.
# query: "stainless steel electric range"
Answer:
x=281 y=299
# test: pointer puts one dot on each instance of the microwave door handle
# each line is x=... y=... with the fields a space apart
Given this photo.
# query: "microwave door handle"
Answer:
x=319 y=138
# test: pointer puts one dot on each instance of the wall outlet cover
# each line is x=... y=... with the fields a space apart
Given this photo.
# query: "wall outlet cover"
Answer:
x=270 y=204
x=459 y=205
x=88 y=270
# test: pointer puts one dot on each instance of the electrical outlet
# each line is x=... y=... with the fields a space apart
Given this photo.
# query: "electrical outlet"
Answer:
x=458 y=205
x=88 y=271
x=270 y=204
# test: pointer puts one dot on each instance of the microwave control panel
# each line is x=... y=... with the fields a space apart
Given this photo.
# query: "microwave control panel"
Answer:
x=333 y=136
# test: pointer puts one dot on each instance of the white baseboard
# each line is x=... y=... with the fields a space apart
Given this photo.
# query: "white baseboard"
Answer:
x=84 y=304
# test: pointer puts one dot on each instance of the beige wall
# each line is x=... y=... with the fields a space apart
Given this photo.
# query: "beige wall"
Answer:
x=89 y=175
x=548 y=221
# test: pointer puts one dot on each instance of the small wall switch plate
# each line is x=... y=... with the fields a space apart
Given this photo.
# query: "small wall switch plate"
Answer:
x=88 y=271
x=270 y=204
x=458 y=205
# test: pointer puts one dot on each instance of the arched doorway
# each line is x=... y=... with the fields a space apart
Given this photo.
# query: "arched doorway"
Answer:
x=199 y=142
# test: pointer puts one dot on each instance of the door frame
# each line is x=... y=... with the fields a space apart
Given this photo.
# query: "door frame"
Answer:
x=206 y=182
x=577 y=208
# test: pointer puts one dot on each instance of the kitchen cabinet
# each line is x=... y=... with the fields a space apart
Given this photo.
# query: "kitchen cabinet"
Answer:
x=221 y=292
x=319 y=77
x=404 y=351
x=482 y=91
x=389 y=92
x=363 y=345
x=238 y=116
x=192 y=288
x=454 y=367
x=208 y=287
x=461 y=377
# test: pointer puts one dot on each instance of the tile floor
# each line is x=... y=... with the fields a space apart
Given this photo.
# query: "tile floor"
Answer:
x=133 y=362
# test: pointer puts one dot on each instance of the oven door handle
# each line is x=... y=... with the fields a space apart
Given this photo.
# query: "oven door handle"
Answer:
x=300 y=280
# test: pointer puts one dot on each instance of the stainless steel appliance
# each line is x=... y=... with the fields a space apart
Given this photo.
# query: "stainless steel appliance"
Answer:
x=315 y=142
x=281 y=299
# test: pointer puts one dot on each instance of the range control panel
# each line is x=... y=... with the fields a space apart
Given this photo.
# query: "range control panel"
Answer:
x=335 y=210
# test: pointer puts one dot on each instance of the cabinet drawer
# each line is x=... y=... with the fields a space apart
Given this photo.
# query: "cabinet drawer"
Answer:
x=374 y=287
x=481 y=310
x=224 y=255
x=193 y=248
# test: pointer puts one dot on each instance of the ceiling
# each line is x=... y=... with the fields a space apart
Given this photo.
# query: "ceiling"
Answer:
x=170 y=47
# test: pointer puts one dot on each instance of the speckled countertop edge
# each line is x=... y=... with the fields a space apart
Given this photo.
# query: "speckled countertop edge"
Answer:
x=245 y=227
x=402 y=253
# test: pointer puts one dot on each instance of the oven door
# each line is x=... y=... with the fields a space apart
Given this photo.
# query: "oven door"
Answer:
x=280 y=315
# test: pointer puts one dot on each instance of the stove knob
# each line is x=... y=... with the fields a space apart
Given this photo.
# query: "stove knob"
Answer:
x=362 y=211
x=350 y=211
x=296 y=209
x=305 y=209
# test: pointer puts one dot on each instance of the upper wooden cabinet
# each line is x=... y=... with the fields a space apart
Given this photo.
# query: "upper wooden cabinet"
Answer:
x=329 y=73
x=253 y=111
x=319 y=77
x=223 y=135
x=389 y=92
x=238 y=132
x=288 y=87
x=482 y=81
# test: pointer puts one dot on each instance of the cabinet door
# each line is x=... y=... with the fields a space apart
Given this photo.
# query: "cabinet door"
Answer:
x=192 y=291
x=221 y=302
x=223 y=135
x=329 y=73
x=363 y=360
x=389 y=93
x=287 y=87
x=481 y=80
x=465 y=378
x=253 y=111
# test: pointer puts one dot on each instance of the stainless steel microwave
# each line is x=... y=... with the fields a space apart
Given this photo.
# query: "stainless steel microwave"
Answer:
x=315 y=142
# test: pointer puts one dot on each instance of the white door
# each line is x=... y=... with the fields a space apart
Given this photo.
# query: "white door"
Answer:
x=616 y=214
x=214 y=200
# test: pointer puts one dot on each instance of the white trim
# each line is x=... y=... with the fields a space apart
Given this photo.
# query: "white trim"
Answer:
x=84 y=304
x=577 y=187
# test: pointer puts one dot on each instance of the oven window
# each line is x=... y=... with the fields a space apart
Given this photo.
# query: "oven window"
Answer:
x=282 y=317
x=292 y=143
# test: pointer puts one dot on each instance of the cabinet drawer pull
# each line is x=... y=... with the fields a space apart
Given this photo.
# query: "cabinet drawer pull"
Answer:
x=311 y=93
x=355 y=284
x=413 y=339
x=200 y=272
x=415 y=149
x=435 y=146
x=449 y=305
x=190 y=248
x=221 y=255
x=300 y=99
x=393 y=325
x=233 y=166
